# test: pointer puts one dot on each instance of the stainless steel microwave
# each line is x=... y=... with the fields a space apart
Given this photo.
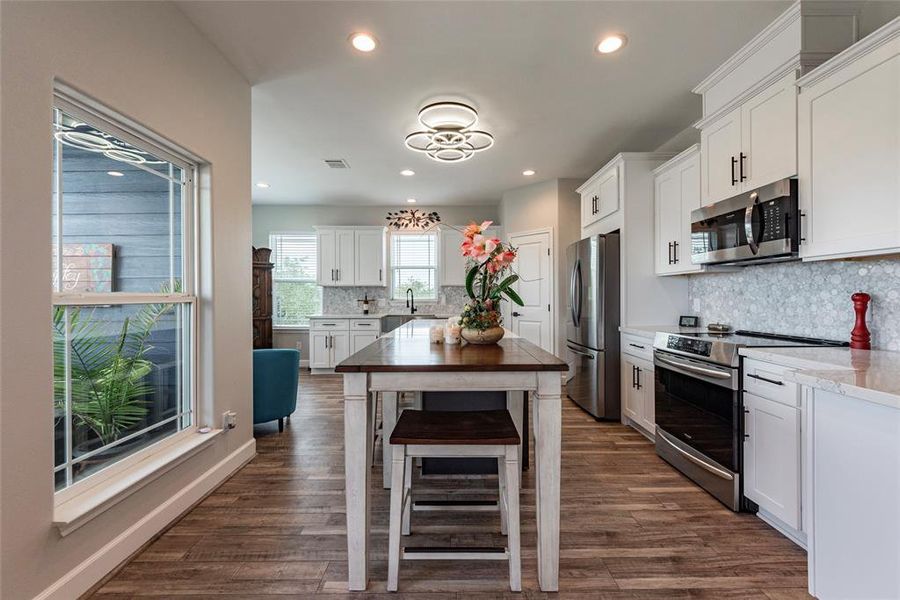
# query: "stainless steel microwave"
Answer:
x=752 y=228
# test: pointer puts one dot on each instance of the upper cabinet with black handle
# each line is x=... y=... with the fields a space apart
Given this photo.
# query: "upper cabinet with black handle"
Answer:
x=676 y=192
x=600 y=195
x=748 y=133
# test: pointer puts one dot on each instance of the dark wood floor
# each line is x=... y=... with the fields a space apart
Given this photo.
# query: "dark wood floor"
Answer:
x=632 y=527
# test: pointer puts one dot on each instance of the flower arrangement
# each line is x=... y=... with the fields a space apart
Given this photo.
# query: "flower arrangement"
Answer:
x=489 y=281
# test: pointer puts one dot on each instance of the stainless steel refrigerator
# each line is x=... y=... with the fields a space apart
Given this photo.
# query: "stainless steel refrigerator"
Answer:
x=592 y=325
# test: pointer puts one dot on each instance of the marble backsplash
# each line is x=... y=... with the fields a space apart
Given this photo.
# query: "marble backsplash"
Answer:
x=343 y=300
x=808 y=299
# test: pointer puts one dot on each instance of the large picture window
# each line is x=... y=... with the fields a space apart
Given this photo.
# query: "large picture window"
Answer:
x=414 y=265
x=295 y=293
x=124 y=338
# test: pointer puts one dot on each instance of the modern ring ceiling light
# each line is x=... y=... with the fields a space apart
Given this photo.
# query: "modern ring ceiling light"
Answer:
x=84 y=137
x=449 y=135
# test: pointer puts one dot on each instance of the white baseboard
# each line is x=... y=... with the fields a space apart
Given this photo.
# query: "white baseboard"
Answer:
x=80 y=579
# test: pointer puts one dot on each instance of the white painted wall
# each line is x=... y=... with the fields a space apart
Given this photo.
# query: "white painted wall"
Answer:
x=146 y=61
x=554 y=204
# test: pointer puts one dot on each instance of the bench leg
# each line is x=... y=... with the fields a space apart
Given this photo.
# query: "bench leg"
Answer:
x=398 y=464
x=512 y=518
x=281 y=425
x=503 y=493
x=407 y=495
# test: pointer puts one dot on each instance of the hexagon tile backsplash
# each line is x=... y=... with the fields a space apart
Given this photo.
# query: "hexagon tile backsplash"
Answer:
x=808 y=299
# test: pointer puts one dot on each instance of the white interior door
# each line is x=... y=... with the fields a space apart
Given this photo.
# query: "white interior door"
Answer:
x=534 y=266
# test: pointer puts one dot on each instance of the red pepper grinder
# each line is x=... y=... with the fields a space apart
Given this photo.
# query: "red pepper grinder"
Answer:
x=860 y=338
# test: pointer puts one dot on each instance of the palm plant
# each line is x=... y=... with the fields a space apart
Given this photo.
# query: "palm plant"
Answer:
x=107 y=381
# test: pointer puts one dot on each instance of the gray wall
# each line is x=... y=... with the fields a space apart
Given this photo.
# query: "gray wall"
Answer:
x=808 y=299
x=146 y=61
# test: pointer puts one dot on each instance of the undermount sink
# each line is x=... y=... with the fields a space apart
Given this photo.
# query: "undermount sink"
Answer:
x=391 y=322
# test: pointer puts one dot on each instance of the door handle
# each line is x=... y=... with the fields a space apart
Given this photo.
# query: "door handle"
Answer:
x=748 y=223
x=338 y=271
x=743 y=177
x=766 y=379
x=693 y=369
x=674 y=253
x=670 y=253
x=800 y=227
x=700 y=463
x=515 y=314
x=636 y=346
x=580 y=353
x=639 y=370
x=379 y=274
x=733 y=163
x=633 y=376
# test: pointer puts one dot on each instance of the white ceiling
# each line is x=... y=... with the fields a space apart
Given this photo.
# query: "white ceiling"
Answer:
x=529 y=68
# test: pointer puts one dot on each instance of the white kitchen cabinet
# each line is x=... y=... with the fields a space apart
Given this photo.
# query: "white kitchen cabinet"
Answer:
x=849 y=148
x=676 y=194
x=752 y=145
x=772 y=457
x=369 y=253
x=638 y=399
x=361 y=339
x=600 y=197
x=350 y=256
x=721 y=143
x=331 y=340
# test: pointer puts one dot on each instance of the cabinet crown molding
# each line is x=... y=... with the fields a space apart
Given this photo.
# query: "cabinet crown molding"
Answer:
x=686 y=154
x=876 y=39
x=623 y=157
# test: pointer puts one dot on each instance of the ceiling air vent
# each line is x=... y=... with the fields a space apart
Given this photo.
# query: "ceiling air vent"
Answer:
x=336 y=163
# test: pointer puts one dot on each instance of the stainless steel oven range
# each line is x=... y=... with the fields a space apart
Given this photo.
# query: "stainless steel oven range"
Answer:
x=699 y=411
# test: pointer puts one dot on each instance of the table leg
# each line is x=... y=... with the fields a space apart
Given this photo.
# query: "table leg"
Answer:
x=547 y=449
x=357 y=448
x=388 y=420
x=515 y=404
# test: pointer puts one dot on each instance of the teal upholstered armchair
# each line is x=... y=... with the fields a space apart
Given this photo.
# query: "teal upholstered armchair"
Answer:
x=275 y=379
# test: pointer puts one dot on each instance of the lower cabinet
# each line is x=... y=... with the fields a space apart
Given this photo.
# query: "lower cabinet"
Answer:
x=333 y=340
x=772 y=454
x=638 y=401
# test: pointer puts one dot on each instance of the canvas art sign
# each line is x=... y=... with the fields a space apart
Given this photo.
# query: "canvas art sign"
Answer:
x=85 y=268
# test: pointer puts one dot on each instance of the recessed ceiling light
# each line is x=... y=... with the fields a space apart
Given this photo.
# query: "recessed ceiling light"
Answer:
x=611 y=43
x=407 y=172
x=364 y=42
x=528 y=172
x=411 y=200
x=262 y=185
x=116 y=173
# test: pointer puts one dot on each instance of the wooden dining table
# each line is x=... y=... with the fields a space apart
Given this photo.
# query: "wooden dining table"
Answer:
x=405 y=360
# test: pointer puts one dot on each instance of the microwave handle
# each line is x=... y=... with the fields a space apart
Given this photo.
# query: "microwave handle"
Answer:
x=748 y=223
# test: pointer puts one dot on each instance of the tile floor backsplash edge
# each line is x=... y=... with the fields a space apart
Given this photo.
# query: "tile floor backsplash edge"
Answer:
x=808 y=299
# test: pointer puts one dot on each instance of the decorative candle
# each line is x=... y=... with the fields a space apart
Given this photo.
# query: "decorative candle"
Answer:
x=437 y=334
x=452 y=333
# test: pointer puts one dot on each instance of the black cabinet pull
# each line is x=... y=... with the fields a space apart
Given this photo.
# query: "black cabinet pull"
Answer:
x=766 y=379
x=743 y=177
x=633 y=376
x=800 y=227
x=670 y=253
x=635 y=345
x=674 y=253
x=639 y=370
x=744 y=424
x=733 y=163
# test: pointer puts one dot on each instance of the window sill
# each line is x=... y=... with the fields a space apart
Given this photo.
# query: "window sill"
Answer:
x=75 y=512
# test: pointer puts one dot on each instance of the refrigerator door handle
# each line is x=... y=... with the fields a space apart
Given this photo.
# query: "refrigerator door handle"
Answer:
x=572 y=298
x=580 y=352
x=580 y=293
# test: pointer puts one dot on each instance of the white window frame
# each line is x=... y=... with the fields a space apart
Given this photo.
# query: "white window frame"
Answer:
x=105 y=120
x=435 y=266
x=314 y=280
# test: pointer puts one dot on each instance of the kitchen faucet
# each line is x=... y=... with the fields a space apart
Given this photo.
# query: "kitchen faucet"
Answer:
x=411 y=301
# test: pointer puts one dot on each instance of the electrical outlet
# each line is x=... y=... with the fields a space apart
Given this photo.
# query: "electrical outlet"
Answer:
x=229 y=420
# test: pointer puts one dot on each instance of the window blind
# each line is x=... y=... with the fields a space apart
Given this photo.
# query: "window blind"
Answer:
x=295 y=293
x=414 y=264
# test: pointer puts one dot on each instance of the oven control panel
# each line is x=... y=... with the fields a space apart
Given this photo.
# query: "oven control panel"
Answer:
x=689 y=345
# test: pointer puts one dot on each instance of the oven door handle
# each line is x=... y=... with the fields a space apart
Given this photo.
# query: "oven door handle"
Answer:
x=694 y=369
x=700 y=463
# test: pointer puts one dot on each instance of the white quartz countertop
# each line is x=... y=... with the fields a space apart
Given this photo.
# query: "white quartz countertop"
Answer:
x=871 y=375
x=649 y=331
